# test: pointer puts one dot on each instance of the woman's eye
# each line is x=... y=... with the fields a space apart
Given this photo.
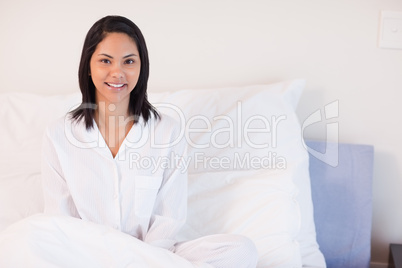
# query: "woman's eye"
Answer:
x=105 y=61
x=129 y=61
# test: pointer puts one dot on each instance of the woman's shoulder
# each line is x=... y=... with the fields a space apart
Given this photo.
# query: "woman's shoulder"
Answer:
x=166 y=128
x=58 y=127
x=167 y=122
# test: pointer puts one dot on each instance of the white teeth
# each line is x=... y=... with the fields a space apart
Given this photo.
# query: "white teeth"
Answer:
x=115 y=85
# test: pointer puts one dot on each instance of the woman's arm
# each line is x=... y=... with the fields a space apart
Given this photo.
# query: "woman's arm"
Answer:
x=57 y=197
x=170 y=209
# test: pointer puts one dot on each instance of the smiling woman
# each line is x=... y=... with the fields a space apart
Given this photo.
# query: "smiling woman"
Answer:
x=99 y=183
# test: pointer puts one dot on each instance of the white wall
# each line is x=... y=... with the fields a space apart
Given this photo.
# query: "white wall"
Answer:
x=196 y=44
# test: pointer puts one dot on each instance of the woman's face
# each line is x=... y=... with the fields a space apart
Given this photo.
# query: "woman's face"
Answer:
x=115 y=67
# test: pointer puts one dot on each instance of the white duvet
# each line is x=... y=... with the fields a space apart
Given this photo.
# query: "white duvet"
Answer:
x=50 y=241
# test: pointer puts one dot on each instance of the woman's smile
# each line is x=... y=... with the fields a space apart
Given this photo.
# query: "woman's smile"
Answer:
x=116 y=86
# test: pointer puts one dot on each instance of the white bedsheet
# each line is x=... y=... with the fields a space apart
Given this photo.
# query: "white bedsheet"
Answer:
x=58 y=241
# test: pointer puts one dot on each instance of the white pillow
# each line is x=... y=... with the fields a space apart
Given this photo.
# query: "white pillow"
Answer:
x=238 y=186
x=24 y=118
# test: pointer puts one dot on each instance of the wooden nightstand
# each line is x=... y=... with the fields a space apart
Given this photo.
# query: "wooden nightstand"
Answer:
x=395 y=256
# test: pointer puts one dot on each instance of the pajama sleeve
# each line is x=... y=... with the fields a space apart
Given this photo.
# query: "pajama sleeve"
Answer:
x=57 y=198
x=170 y=209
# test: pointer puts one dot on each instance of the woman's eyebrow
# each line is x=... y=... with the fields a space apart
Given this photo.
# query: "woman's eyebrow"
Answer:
x=130 y=55
x=127 y=56
x=106 y=55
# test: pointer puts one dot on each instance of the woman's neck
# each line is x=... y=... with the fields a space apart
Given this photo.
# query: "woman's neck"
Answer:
x=114 y=122
x=107 y=112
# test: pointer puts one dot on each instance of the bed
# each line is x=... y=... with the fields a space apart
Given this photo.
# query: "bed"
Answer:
x=250 y=173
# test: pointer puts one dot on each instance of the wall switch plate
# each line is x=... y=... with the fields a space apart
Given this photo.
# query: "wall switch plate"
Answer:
x=390 y=30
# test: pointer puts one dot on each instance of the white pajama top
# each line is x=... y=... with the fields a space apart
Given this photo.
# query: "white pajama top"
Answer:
x=142 y=191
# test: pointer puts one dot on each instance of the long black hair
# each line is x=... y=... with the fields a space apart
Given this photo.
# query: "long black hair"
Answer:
x=138 y=104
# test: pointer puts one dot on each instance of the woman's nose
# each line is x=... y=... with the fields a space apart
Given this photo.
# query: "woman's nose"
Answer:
x=117 y=71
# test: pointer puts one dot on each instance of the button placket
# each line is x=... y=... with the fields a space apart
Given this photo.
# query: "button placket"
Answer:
x=116 y=191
